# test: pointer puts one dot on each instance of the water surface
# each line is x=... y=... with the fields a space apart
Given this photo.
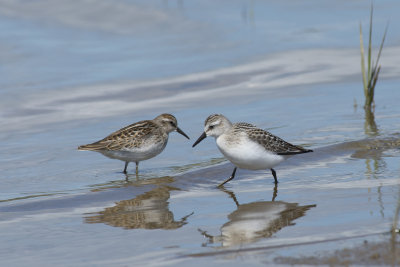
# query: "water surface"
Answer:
x=70 y=78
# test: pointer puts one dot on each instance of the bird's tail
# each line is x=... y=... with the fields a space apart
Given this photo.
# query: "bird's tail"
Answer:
x=94 y=146
x=299 y=150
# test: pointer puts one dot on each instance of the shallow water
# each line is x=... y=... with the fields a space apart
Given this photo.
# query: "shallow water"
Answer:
x=71 y=79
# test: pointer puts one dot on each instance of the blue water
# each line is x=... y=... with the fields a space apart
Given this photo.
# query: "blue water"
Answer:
x=74 y=72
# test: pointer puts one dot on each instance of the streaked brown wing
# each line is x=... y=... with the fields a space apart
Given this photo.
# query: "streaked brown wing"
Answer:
x=130 y=136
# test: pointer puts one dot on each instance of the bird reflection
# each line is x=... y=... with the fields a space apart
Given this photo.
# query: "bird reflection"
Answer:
x=256 y=220
x=147 y=211
x=137 y=182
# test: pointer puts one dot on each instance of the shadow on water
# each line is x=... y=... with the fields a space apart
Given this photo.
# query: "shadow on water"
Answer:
x=253 y=221
x=149 y=210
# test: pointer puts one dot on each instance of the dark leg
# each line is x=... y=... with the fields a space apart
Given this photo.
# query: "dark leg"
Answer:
x=137 y=168
x=230 y=178
x=126 y=166
x=274 y=174
x=275 y=194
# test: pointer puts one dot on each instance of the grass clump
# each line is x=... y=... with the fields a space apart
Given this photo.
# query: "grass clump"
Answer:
x=369 y=69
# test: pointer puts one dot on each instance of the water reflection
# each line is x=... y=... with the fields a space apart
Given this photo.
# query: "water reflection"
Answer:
x=247 y=13
x=370 y=127
x=146 y=211
x=373 y=154
x=256 y=220
x=371 y=130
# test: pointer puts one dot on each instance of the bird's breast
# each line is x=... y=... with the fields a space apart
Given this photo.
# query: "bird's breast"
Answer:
x=247 y=154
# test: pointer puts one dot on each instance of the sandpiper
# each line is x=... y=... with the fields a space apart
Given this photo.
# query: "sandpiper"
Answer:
x=137 y=142
x=247 y=146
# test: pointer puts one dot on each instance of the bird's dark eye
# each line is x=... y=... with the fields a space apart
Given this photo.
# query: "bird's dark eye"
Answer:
x=172 y=123
x=211 y=127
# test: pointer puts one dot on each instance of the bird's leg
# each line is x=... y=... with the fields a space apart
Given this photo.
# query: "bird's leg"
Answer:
x=126 y=166
x=230 y=178
x=275 y=194
x=274 y=174
x=137 y=168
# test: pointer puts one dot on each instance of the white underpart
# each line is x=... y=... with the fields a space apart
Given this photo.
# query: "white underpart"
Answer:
x=146 y=151
x=247 y=154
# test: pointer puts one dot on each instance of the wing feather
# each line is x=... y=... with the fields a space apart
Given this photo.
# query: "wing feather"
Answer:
x=130 y=136
x=269 y=141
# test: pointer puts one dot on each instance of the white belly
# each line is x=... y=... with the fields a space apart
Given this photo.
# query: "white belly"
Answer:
x=136 y=154
x=247 y=154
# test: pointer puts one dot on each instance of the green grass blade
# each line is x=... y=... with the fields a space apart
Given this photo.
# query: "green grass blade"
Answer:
x=375 y=71
x=364 y=76
x=370 y=70
x=372 y=77
x=373 y=84
x=371 y=88
x=381 y=46
x=370 y=42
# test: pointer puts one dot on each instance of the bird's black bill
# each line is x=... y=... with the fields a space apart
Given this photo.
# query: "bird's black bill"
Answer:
x=182 y=133
x=202 y=136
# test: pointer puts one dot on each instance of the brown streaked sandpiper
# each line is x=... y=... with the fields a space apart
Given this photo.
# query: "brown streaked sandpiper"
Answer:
x=137 y=142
